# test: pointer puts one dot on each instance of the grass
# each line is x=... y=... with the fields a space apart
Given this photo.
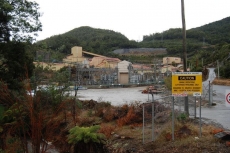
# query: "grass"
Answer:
x=190 y=144
x=225 y=82
x=186 y=138
x=188 y=141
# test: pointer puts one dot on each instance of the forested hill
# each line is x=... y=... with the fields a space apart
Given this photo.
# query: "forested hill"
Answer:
x=212 y=33
x=104 y=41
x=93 y=40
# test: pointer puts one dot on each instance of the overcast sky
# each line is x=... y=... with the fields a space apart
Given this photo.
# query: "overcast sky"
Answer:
x=132 y=18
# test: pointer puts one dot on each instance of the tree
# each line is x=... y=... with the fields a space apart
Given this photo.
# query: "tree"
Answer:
x=16 y=64
x=35 y=118
x=19 y=19
x=225 y=70
x=4 y=30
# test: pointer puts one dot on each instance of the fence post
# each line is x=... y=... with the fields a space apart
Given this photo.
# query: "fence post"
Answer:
x=143 y=127
x=209 y=95
x=200 y=117
x=195 y=108
x=152 y=118
x=179 y=103
x=173 y=118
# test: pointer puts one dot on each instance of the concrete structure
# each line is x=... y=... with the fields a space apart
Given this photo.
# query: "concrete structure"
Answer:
x=76 y=55
x=141 y=73
x=168 y=68
x=104 y=62
x=123 y=72
x=84 y=58
x=139 y=68
x=170 y=60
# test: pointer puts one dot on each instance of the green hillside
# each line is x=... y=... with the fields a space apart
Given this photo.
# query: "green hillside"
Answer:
x=210 y=34
x=93 y=40
x=214 y=33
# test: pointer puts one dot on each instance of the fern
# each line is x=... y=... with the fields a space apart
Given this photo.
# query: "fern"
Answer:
x=85 y=134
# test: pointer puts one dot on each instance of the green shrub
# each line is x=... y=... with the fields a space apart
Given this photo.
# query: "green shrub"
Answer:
x=182 y=117
x=90 y=113
x=86 y=139
x=85 y=134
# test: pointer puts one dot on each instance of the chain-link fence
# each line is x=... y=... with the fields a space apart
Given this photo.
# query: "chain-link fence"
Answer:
x=159 y=114
x=156 y=117
x=208 y=93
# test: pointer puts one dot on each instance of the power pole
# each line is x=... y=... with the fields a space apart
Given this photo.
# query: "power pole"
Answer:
x=218 y=71
x=184 y=37
x=184 y=51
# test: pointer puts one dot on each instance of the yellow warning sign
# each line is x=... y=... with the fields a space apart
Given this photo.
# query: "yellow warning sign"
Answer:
x=186 y=83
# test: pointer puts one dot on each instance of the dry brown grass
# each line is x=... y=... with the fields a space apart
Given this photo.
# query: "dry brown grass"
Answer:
x=129 y=118
x=130 y=132
x=224 y=82
x=186 y=136
x=107 y=129
x=189 y=144
x=187 y=139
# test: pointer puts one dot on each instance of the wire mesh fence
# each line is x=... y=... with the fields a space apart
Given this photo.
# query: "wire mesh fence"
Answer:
x=208 y=93
x=160 y=114
x=156 y=116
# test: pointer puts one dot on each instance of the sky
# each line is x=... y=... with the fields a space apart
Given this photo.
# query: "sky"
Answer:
x=132 y=18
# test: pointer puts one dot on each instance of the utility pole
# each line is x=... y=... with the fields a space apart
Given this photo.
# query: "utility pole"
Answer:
x=167 y=66
x=155 y=72
x=218 y=71
x=154 y=68
x=184 y=37
x=184 y=51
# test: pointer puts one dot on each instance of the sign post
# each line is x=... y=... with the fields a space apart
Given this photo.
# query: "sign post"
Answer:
x=227 y=98
x=186 y=83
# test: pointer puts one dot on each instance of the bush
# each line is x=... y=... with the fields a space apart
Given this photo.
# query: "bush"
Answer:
x=106 y=130
x=85 y=134
x=109 y=114
x=128 y=119
x=86 y=139
x=182 y=117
